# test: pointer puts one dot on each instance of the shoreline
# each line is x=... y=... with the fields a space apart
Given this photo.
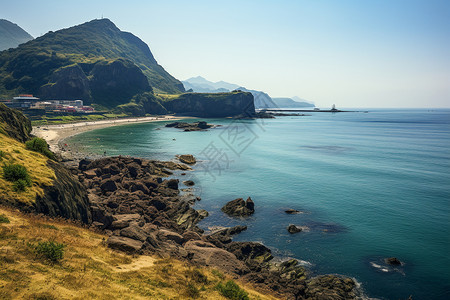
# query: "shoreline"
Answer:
x=56 y=134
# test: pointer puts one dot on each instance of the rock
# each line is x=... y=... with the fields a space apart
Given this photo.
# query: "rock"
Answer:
x=196 y=126
x=330 y=287
x=124 y=244
x=187 y=159
x=164 y=234
x=223 y=235
x=292 y=211
x=134 y=232
x=124 y=220
x=108 y=186
x=191 y=235
x=393 y=261
x=250 y=251
x=188 y=183
x=65 y=197
x=239 y=207
x=207 y=254
x=293 y=229
x=172 y=184
x=84 y=163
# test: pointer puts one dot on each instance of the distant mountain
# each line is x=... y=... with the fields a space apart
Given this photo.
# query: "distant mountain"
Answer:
x=11 y=35
x=262 y=100
x=290 y=103
x=94 y=61
x=201 y=85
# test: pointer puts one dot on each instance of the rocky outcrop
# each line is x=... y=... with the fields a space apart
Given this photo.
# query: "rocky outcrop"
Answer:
x=330 y=287
x=14 y=124
x=219 y=105
x=393 y=261
x=113 y=82
x=66 y=198
x=187 y=159
x=239 y=207
x=69 y=81
x=196 y=126
x=145 y=213
x=293 y=229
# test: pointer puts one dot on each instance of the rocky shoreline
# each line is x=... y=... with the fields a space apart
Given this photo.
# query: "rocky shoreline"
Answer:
x=140 y=206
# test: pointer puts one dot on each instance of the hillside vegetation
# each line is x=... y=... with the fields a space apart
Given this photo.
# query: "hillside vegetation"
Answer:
x=29 y=67
x=14 y=152
x=90 y=270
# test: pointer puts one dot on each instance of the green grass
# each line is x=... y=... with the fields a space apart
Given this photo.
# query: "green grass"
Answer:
x=4 y=219
x=49 y=250
x=18 y=174
x=39 y=145
x=232 y=291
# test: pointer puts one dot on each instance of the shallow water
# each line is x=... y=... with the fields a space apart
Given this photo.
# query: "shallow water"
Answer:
x=370 y=185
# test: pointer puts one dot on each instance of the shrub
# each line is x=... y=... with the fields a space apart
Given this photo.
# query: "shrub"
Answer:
x=232 y=291
x=4 y=219
x=49 y=250
x=16 y=173
x=197 y=276
x=20 y=185
x=192 y=291
x=39 y=145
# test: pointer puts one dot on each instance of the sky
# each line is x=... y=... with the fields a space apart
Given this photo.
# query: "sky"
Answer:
x=352 y=53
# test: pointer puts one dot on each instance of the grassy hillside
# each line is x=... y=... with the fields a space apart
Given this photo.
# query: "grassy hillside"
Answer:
x=89 y=270
x=31 y=65
x=14 y=152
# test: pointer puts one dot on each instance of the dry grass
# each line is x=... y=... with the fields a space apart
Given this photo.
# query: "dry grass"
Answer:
x=36 y=164
x=89 y=270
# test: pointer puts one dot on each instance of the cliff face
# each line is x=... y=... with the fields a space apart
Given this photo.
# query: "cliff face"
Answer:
x=107 y=83
x=67 y=83
x=214 y=105
x=66 y=198
x=14 y=124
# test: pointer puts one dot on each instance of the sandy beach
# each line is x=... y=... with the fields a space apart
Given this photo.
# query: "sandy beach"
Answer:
x=56 y=134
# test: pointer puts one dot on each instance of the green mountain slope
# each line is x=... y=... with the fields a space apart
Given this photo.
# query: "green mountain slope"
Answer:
x=11 y=35
x=35 y=64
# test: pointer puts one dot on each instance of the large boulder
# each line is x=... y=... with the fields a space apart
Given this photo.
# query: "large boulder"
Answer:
x=207 y=254
x=250 y=251
x=124 y=244
x=239 y=207
x=187 y=159
x=293 y=229
x=330 y=287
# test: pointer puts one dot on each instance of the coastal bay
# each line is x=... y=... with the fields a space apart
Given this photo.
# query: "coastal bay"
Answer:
x=309 y=164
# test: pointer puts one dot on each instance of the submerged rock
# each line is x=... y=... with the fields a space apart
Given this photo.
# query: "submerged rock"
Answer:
x=196 y=126
x=393 y=261
x=239 y=207
x=292 y=211
x=293 y=229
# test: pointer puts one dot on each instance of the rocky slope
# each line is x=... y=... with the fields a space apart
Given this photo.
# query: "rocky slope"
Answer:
x=145 y=212
x=11 y=35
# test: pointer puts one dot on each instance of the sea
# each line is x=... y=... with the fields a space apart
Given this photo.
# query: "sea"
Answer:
x=368 y=185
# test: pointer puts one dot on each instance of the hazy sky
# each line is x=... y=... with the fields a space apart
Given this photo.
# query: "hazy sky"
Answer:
x=379 y=53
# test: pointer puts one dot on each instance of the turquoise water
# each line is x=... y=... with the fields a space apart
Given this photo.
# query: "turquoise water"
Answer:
x=371 y=185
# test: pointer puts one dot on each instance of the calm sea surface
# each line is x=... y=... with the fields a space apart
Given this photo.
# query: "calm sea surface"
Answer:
x=370 y=186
